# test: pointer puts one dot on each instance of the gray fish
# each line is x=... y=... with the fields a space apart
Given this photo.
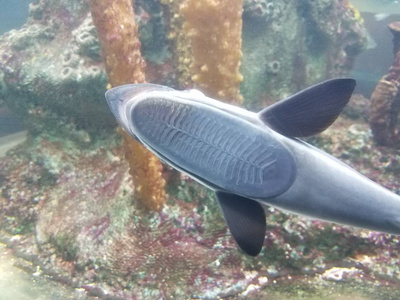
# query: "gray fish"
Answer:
x=253 y=160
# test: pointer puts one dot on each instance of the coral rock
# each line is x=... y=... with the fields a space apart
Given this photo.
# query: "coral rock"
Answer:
x=385 y=100
x=289 y=45
x=146 y=171
x=215 y=27
x=182 y=48
x=118 y=35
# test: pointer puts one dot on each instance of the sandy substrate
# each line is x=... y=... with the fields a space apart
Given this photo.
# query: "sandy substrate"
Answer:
x=10 y=141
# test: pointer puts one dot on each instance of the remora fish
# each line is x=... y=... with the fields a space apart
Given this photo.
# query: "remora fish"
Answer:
x=255 y=159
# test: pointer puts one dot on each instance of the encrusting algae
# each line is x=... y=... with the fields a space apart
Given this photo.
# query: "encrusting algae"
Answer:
x=118 y=35
x=215 y=28
x=182 y=49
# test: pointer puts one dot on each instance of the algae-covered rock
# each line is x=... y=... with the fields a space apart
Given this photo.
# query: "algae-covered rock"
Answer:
x=51 y=71
x=71 y=212
x=289 y=45
x=51 y=68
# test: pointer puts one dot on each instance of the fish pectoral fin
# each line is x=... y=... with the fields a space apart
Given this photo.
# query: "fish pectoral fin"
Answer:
x=310 y=111
x=245 y=219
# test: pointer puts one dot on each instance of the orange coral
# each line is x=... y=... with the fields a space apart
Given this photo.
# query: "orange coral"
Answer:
x=118 y=35
x=183 y=49
x=146 y=172
x=215 y=28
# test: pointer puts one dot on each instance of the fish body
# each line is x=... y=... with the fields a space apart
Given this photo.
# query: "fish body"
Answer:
x=255 y=160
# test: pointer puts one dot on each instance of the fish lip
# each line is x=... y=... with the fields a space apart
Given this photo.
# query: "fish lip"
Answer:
x=117 y=104
x=121 y=99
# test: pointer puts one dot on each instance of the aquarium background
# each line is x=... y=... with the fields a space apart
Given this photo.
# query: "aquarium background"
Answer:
x=85 y=213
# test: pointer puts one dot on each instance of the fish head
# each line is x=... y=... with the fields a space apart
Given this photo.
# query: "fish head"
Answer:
x=122 y=98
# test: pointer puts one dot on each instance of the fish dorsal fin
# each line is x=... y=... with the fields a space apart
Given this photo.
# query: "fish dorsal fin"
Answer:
x=245 y=219
x=310 y=111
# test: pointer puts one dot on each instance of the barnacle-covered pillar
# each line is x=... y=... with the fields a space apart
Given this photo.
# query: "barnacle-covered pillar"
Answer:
x=385 y=100
x=118 y=35
x=180 y=41
x=215 y=30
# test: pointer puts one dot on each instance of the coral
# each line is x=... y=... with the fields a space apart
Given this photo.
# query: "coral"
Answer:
x=146 y=171
x=118 y=35
x=214 y=28
x=86 y=42
x=395 y=29
x=357 y=108
x=355 y=11
x=182 y=48
x=157 y=49
x=150 y=17
x=385 y=100
x=259 y=9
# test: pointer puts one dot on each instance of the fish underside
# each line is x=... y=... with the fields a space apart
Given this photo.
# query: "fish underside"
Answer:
x=253 y=160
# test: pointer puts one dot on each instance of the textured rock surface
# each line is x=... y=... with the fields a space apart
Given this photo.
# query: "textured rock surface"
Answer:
x=70 y=210
x=51 y=71
x=385 y=100
x=117 y=32
x=67 y=205
x=288 y=45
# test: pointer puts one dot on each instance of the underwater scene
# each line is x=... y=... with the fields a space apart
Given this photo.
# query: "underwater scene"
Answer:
x=199 y=149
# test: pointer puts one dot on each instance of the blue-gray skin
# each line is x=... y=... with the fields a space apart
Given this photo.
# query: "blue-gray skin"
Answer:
x=253 y=160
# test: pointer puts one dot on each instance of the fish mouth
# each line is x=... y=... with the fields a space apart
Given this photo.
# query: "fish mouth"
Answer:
x=115 y=100
x=121 y=98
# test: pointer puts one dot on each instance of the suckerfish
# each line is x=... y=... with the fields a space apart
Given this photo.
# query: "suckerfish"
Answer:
x=255 y=160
